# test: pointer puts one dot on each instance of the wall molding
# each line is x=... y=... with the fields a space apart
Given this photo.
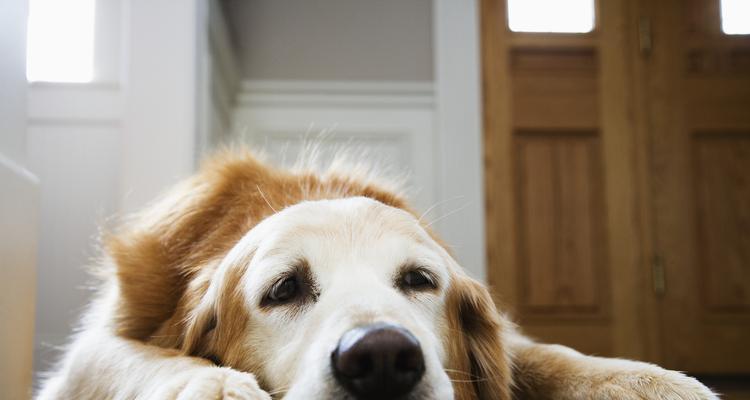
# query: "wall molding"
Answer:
x=74 y=104
x=347 y=94
x=392 y=122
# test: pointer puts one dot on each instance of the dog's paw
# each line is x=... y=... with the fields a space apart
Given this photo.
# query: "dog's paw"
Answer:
x=652 y=383
x=213 y=383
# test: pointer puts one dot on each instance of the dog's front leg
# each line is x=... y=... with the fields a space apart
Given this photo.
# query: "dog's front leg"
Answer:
x=103 y=366
x=545 y=371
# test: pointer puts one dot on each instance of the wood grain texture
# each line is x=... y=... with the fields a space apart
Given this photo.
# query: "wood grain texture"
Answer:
x=498 y=155
x=696 y=182
x=722 y=185
x=547 y=84
x=634 y=325
x=559 y=222
x=555 y=89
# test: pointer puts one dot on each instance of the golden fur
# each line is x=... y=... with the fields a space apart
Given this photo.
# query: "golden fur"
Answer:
x=164 y=260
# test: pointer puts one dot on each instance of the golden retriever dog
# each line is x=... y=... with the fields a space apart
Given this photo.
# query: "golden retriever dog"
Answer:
x=251 y=282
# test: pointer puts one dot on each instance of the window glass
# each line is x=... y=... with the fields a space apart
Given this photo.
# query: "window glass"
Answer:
x=570 y=16
x=60 y=45
x=735 y=17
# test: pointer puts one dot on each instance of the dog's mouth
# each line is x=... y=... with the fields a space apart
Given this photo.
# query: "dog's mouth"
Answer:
x=378 y=361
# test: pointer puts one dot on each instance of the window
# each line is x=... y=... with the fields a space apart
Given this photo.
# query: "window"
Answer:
x=565 y=16
x=60 y=44
x=735 y=17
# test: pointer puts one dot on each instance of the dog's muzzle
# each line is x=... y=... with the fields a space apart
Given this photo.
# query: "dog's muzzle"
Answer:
x=378 y=361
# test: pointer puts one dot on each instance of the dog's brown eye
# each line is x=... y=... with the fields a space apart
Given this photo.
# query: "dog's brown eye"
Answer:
x=417 y=280
x=284 y=290
x=292 y=290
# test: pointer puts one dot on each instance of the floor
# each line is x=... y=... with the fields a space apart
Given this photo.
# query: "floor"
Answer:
x=729 y=387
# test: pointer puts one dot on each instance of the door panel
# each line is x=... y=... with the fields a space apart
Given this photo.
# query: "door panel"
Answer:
x=554 y=88
x=560 y=232
x=722 y=186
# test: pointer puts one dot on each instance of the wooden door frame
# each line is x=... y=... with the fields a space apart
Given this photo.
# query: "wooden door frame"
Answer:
x=623 y=145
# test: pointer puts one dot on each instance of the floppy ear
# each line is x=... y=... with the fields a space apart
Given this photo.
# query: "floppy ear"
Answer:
x=478 y=361
x=159 y=252
x=200 y=325
x=218 y=319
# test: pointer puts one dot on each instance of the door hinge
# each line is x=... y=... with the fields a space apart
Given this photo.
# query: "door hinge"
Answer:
x=658 y=275
x=645 y=41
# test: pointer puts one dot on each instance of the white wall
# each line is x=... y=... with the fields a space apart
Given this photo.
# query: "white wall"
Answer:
x=333 y=39
x=390 y=123
x=337 y=63
x=77 y=163
x=18 y=211
x=160 y=105
x=13 y=84
x=458 y=122
x=105 y=148
x=74 y=133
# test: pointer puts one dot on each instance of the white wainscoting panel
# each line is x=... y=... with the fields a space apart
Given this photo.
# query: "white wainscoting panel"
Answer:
x=74 y=149
x=386 y=124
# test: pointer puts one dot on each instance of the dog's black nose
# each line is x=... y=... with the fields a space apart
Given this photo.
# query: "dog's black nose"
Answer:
x=378 y=361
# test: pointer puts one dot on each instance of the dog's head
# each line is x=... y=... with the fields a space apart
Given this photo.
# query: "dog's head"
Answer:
x=348 y=298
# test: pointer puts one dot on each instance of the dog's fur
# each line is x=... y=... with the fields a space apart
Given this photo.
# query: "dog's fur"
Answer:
x=178 y=317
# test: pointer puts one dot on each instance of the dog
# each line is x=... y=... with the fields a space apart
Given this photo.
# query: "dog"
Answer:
x=248 y=281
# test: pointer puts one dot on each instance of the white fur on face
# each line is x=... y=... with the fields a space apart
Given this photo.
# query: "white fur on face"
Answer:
x=355 y=249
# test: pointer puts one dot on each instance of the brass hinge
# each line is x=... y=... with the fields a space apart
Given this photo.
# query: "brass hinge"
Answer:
x=645 y=41
x=658 y=275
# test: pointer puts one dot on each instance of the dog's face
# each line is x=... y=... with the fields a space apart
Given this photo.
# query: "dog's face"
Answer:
x=350 y=299
x=346 y=298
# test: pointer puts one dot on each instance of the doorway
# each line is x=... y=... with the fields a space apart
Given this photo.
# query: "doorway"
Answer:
x=617 y=173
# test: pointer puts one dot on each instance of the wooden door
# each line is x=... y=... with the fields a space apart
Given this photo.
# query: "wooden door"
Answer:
x=563 y=244
x=696 y=93
x=618 y=183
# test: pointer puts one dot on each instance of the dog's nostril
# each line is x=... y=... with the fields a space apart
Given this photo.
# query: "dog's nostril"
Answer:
x=378 y=361
x=354 y=365
x=409 y=360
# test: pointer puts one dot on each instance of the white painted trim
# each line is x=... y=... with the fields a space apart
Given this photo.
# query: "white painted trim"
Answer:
x=217 y=77
x=389 y=94
x=65 y=104
x=459 y=129
x=221 y=48
x=160 y=103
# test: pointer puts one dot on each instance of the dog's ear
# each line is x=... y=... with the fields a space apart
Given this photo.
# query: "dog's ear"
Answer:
x=200 y=324
x=160 y=251
x=217 y=319
x=479 y=364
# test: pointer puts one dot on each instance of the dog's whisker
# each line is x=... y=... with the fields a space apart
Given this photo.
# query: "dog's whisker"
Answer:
x=448 y=214
x=265 y=199
x=279 y=390
x=469 y=380
x=437 y=204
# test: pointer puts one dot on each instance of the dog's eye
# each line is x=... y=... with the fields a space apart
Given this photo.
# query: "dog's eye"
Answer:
x=284 y=290
x=416 y=280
